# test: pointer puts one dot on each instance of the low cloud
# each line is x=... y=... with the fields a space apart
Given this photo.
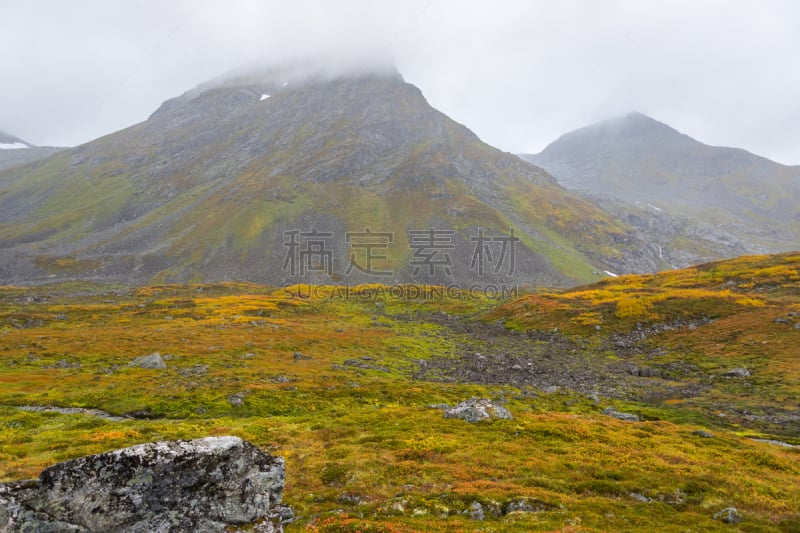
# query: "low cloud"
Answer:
x=517 y=73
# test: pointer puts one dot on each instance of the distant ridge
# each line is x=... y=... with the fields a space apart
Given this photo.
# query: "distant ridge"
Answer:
x=726 y=200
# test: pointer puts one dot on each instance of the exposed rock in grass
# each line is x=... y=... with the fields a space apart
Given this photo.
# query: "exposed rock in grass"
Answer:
x=776 y=443
x=704 y=434
x=477 y=409
x=206 y=484
x=729 y=515
x=610 y=411
x=527 y=505
x=66 y=364
x=196 y=370
x=153 y=361
x=737 y=373
x=237 y=400
x=476 y=511
x=72 y=411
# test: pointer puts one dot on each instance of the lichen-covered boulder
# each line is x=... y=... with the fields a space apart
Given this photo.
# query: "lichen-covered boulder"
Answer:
x=201 y=485
x=477 y=409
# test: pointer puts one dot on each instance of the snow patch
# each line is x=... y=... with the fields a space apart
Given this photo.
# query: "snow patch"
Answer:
x=264 y=97
x=285 y=83
x=651 y=206
x=13 y=146
x=611 y=274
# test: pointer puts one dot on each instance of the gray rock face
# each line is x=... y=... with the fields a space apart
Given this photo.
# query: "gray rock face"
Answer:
x=729 y=515
x=737 y=373
x=704 y=204
x=477 y=409
x=630 y=417
x=201 y=485
x=153 y=361
x=476 y=511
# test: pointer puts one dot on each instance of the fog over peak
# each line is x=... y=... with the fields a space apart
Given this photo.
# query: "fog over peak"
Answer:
x=519 y=73
x=322 y=67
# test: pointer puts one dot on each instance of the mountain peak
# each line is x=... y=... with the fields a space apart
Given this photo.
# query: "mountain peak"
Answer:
x=637 y=159
x=229 y=180
x=634 y=124
x=10 y=141
x=268 y=79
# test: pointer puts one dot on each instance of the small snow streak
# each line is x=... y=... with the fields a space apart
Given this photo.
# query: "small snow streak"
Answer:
x=264 y=97
x=13 y=146
x=611 y=274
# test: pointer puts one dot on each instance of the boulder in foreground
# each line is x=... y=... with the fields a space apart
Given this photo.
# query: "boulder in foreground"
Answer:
x=201 y=485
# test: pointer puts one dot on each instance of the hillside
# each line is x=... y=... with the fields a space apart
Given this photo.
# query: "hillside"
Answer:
x=14 y=151
x=637 y=402
x=213 y=184
x=697 y=202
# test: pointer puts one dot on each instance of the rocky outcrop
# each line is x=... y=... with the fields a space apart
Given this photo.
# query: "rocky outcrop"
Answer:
x=477 y=409
x=737 y=373
x=613 y=413
x=729 y=516
x=204 y=485
x=154 y=361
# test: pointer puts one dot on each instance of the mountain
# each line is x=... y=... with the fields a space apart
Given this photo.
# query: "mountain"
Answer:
x=231 y=180
x=693 y=200
x=14 y=151
x=9 y=142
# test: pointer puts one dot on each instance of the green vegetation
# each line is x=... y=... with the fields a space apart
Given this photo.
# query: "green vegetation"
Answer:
x=326 y=375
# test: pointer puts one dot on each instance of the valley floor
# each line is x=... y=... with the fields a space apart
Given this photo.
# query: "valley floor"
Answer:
x=350 y=391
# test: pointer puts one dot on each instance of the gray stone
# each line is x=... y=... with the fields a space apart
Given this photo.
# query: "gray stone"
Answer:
x=65 y=364
x=640 y=497
x=237 y=400
x=776 y=443
x=704 y=434
x=153 y=361
x=797 y=326
x=477 y=409
x=476 y=511
x=526 y=505
x=737 y=373
x=202 y=485
x=630 y=417
x=729 y=515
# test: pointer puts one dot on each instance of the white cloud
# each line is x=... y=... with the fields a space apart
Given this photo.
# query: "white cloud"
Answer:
x=518 y=73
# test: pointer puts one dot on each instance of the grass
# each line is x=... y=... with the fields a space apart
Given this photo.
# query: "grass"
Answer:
x=328 y=385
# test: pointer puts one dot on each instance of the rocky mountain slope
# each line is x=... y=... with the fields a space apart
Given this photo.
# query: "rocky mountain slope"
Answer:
x=690 y=200
x=231 y=179
x=14 y=151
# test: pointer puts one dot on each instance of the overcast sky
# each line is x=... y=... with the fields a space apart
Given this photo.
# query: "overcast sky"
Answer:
x=518 y=73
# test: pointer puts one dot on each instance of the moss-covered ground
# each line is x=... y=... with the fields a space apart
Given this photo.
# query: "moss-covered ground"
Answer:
x=329 y=378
